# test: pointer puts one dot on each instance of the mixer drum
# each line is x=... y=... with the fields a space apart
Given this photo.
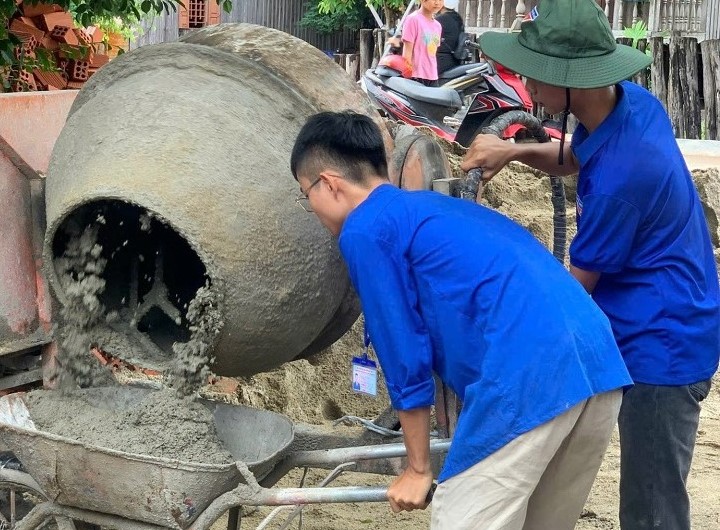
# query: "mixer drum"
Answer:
x=179 y=155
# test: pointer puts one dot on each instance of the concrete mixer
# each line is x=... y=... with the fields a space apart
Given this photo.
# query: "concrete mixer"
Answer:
x=178 y=156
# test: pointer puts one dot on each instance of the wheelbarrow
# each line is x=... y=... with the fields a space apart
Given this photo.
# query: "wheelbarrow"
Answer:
x=114 y=489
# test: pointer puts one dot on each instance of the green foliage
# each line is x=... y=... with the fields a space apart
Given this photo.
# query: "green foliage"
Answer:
x=346 y=7
x=124 y=14
x=337 y=21
x=128 y=26
x=636 y=32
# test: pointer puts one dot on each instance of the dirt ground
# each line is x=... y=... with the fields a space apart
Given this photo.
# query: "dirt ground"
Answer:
x=318 y=391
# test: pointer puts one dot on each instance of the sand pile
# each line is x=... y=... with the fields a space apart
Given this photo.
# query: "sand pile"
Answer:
x=315 y=390
x=161 y=425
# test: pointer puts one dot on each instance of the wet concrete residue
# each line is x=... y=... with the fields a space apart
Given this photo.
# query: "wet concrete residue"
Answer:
x=80 y=270
x=161 y=424
x=124 y=293
x=190 y=366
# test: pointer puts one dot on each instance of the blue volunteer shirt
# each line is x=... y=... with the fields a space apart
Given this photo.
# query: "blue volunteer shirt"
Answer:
x=641 y=224
x=458 y=289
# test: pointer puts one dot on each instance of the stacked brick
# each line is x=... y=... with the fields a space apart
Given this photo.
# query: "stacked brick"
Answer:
x=76 y=52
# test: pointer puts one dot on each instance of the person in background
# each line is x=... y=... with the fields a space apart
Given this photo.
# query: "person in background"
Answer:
x=452 y=26
x=421 y=38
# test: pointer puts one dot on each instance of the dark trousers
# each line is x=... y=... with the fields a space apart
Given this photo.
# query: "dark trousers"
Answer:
x=658 y=426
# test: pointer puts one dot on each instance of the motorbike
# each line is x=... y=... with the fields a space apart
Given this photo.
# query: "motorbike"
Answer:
x=468 y=99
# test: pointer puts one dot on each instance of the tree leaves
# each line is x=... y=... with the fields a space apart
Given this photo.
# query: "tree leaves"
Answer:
x=86 y=13
x=328 y=16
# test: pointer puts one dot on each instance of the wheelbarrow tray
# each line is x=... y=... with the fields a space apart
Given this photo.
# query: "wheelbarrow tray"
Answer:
x=161 y=491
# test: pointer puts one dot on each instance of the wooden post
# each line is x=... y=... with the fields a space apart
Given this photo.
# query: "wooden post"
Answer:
x=711 y=87
x=693 y=112
x=683 y=94
x=658 y=76
x=352 y=66
x=341 y=59
x=379 y=39
x=641 y=78
x=617 y=15
x=654 y=16
x=366 y=50
x=674 y=93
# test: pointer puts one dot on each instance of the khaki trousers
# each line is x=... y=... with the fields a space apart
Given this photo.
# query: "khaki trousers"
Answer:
x=538 y=481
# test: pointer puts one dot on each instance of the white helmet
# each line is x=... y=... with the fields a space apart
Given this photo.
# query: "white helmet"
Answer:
x=452 y=4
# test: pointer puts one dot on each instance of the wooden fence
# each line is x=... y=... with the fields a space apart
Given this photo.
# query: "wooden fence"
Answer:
x=283 y=15
x=683 y=38
x=693 y=17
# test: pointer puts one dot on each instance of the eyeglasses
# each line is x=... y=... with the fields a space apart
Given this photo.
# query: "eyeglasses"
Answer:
x=303 y=200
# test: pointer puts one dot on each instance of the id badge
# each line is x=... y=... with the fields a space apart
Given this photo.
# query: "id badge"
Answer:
x=364 y=375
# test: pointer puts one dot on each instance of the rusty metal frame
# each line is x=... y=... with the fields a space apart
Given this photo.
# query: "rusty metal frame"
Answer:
x=41 y=339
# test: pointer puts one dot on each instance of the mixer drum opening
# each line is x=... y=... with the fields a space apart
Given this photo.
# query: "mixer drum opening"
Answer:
x=150 y=276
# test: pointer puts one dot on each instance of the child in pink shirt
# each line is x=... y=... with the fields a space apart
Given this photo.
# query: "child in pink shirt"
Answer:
x=421 y=38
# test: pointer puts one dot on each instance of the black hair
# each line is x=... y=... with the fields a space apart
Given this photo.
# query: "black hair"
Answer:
x=346 y=141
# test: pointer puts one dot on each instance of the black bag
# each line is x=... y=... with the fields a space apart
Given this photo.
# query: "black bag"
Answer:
x=461 y=52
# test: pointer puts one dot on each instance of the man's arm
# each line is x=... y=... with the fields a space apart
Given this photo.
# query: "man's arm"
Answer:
x=587 y=279
x=492 y=154
x=409 y=491
x=382 y=279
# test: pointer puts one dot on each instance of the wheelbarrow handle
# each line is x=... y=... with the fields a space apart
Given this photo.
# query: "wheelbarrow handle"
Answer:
x=297 y=496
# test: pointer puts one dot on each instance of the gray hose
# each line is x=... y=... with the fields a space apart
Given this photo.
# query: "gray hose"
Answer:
x=472 y=184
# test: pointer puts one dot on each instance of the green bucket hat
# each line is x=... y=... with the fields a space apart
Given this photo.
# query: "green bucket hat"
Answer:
x=565 y=43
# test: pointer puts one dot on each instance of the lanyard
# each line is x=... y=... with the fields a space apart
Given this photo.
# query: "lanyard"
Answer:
x=366 y=342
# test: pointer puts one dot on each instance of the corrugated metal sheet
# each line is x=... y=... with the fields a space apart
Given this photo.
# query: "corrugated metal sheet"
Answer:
x=283 y=15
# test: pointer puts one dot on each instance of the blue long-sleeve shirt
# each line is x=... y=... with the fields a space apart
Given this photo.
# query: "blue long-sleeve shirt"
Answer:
x=458 y=289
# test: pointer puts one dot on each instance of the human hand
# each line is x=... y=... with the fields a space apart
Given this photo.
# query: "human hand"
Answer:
x=410 y=491
x=395 y=42
x=489 y=153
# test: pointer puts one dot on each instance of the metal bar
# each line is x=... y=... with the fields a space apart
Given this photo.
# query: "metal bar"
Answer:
x=245 y=495
x=440 y=405
x=363 y=452
x=17 y=160
x=375 y=15
x=234 y=518
x=44 y=511
x=298 y=496
x=20 y=379
x=345 y=454
x=335 y=473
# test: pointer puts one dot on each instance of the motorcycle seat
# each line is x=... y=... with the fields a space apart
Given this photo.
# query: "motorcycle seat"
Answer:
x=445 y=97
x=463 y=69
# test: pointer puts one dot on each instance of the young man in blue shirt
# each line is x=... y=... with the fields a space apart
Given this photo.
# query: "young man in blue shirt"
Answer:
x=642 y=248
x=456 y=289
